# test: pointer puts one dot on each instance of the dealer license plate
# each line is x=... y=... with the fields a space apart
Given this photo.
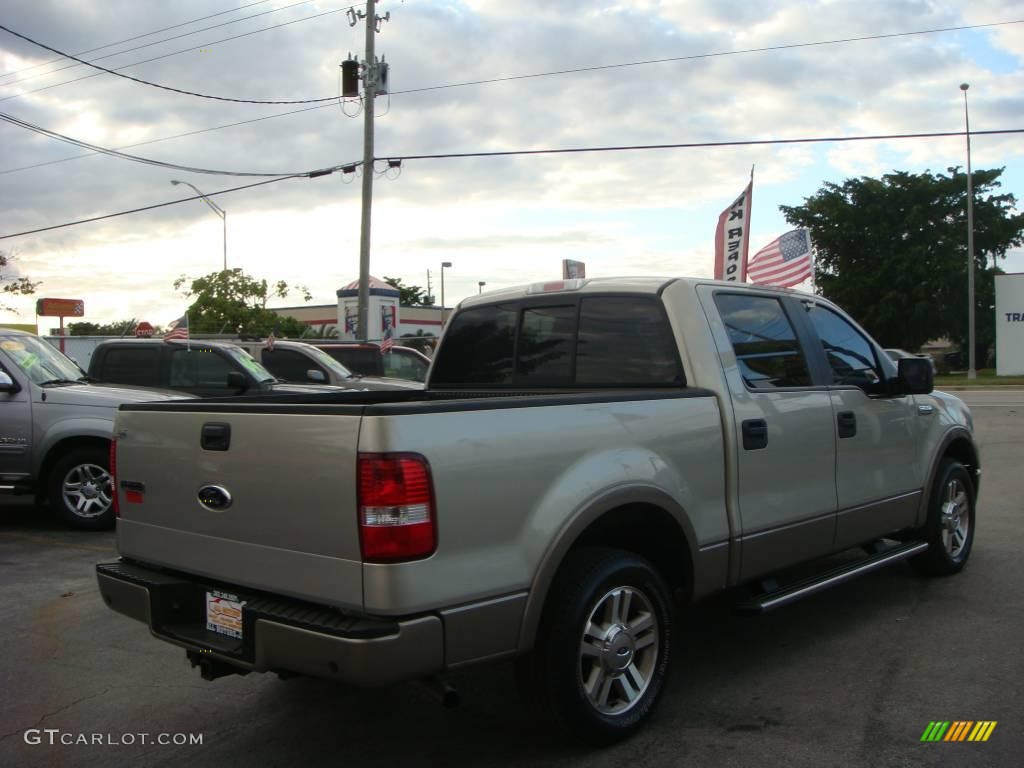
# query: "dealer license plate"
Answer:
x=224 y=613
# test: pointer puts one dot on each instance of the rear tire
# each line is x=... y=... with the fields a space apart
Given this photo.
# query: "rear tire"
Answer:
x=80 y=489
x=602 y=651
x=949 y=529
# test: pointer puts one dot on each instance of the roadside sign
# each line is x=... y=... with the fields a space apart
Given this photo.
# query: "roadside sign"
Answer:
x=144 y=330
x=60 y=307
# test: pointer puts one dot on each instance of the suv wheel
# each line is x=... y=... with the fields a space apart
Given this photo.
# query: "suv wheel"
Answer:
x=80 y=489
x=602 y=651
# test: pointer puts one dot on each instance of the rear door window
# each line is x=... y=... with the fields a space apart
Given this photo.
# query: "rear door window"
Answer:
x=767 y=350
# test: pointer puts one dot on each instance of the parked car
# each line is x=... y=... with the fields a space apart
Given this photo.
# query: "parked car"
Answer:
x=296 y=361
x=55 y=430
x=367 y=359
x=901 y=354
x=584 y=452
x=205 y=368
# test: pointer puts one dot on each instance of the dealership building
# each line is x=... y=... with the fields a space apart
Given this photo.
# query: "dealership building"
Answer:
x=384 y=311
x=1010 y=325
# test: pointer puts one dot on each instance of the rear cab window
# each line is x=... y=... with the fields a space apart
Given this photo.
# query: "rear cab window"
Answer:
x=588 y=341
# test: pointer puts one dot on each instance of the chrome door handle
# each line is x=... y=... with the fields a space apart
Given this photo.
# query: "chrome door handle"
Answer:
x=925 y=410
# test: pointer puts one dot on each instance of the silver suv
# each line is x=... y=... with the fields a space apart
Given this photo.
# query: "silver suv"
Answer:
x=55 y=429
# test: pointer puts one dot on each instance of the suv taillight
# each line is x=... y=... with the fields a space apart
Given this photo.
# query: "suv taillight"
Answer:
x=113 y=477
x=396 y=507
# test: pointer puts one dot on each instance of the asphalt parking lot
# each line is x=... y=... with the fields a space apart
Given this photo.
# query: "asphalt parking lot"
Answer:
x=849 y=677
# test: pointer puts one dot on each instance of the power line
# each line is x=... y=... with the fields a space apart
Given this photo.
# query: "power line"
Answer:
x=122 y=155
x=308 y=175
x=136 y=37
x=164 y=138
x=636 y=147
x=716 y=54
x=699 y=145
x=575 y=70
x=156 y=58
x=159 y=42
x=457 y=85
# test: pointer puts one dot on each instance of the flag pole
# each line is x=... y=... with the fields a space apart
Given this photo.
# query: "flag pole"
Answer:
x=750 y=222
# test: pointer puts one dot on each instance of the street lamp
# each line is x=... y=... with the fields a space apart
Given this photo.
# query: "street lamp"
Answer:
x=481 y=285
x=971 y=372
x=216 y=209
x=444 y=264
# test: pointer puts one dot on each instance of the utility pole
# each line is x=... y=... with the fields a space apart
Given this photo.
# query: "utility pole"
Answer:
x=369 y=95
x=971 y=371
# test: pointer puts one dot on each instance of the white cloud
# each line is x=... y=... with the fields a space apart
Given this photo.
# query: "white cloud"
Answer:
x=506 y=220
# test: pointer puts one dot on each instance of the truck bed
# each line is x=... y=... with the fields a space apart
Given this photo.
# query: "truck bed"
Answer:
x=292 y=526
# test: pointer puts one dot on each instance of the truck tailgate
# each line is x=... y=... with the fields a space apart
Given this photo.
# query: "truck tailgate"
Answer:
x=283 y=519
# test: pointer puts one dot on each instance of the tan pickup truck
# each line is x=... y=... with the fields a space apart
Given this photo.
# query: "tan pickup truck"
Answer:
x=586 y=455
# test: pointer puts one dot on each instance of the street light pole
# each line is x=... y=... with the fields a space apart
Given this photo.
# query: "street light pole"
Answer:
x=216 y=209
x=971 y=372
x=481 y=285
x=444 y=264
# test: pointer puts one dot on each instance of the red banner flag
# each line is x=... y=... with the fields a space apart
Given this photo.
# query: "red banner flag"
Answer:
x=732 y=238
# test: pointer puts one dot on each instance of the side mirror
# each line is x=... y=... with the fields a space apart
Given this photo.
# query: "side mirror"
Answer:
x=915 y=376
x=317 y=377
x=237 y=381
x=7 y=384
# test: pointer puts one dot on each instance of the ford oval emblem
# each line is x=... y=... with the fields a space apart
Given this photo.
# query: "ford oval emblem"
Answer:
x=214 y=498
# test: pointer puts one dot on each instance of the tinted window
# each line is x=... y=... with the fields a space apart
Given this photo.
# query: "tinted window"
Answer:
x=131 y=365
x=626 y=341
x=288 y=364
x=850 y=355
x=478 y=347
x=199 y=368
x=545 y=345
x=362 y=360
x=764 y=341
x=403 y=366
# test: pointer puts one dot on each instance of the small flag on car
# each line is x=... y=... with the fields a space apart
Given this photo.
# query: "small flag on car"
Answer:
x=178 y=329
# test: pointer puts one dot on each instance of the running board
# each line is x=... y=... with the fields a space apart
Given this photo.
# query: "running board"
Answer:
x=777 y=598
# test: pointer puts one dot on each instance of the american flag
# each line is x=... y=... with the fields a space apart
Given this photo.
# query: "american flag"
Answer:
x=178 y=329
x=388 y=342
x=786 y=261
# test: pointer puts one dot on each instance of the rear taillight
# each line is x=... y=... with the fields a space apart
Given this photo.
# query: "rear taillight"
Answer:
x=113 y=477
x=396 y=507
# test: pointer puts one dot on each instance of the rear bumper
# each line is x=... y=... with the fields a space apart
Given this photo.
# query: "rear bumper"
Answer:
x=278 y=634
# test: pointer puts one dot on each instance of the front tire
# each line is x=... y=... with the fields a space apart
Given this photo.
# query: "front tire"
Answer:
x=80 y=489
x=602 y=652
x=949 y=528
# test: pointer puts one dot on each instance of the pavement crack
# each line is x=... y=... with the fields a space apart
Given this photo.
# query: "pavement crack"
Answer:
x=57 y=711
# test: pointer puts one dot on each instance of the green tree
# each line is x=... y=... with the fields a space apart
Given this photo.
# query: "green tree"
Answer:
x=14 y=286
x=231 y=301
x=411 y=295
x=117 y=328
x=893 y=252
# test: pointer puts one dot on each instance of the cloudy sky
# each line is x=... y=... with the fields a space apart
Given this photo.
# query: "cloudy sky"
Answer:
x=503 y=221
